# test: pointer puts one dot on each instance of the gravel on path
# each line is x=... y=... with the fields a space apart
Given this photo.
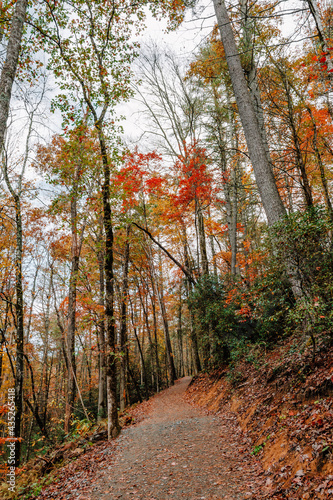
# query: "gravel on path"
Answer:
x=180 y=452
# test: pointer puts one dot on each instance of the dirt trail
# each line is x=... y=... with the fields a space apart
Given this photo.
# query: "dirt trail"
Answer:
x=180 y=452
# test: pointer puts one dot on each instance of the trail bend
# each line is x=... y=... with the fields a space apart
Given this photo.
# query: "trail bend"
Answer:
x=180 y=452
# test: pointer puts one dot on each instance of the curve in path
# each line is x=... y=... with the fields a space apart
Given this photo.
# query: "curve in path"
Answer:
x=180 y=452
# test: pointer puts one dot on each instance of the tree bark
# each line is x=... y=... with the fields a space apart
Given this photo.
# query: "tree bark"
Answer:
x=180 y=337
x=72 y=311
x=10 y=66
x=322 y=173
x=6 y=84
x=320 y=164
x=111 y=367
x=101 y=408
x=159 y=293
x=202 y=238
x=152 y=347
x=158 y=369
x=229 y=184
x=262 y=168
x=123 y=325
x=19 y=306
x=251 y=73
x=144 y=379
x=193 y=333
x=313 y=6
x=298 y=152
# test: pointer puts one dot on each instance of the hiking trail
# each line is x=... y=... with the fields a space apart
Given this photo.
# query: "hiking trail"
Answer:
x=176 y=452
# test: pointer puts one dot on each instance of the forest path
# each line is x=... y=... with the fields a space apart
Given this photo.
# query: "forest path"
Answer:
x=180 y=452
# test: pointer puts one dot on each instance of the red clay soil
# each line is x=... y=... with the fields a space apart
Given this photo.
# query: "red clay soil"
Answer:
x=176 y=452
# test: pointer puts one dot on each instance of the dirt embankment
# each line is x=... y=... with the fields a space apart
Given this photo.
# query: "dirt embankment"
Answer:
x=285 y=407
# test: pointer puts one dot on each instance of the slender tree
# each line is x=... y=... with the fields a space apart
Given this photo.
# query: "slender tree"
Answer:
x=9 y=68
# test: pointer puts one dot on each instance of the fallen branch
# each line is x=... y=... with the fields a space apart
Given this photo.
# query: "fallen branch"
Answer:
x=185 y=271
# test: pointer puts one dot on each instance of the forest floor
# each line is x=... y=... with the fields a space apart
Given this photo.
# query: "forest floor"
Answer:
x=176 y=451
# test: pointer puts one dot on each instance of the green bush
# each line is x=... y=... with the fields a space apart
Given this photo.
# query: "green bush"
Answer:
x=216 y=320
x=305 y=240
x=232 y=314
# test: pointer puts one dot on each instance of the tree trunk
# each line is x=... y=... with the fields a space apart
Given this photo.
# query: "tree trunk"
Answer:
x=158 y=369
x=101 y=408
x=123 y=325
x=324 y=40
x=71 y=316
x=111 y=367
x=298 y=152
x=193 y=333
x=180 y=337
x=262 y=168
x=160 y=295
x=251 y=72
x=6 y=84
x=170 y=359
x=202 y=238
x=229 y=185
x=71 y=321
x=158 y=287
x=322 y=174
x=320 y=165
x=43 y=385
x=152 y=347
x=19 y=306
x=10 y=66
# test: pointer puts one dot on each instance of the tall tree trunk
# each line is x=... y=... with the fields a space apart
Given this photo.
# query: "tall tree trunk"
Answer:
x=235 y=182
x=322 y=174
x=111 y=367
x=320 y=164
x=170 y=358
x=193 y=333
x=160 y=294
x=42 y=392
x=71 y=316
x=263 y=172
x=144 y=380
x=180 y=337
x=101 y=408
x=202 y=237
x=154 y=359
x=71 y=320
x=298 y=152
x=10 y=66
x=158 y=369
x=158 y=287
x=6 y=84
x=262 y=168
x=229 y=186
x=251 y=71
x=19 y=306
x=123 y=324
x=324 y=41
